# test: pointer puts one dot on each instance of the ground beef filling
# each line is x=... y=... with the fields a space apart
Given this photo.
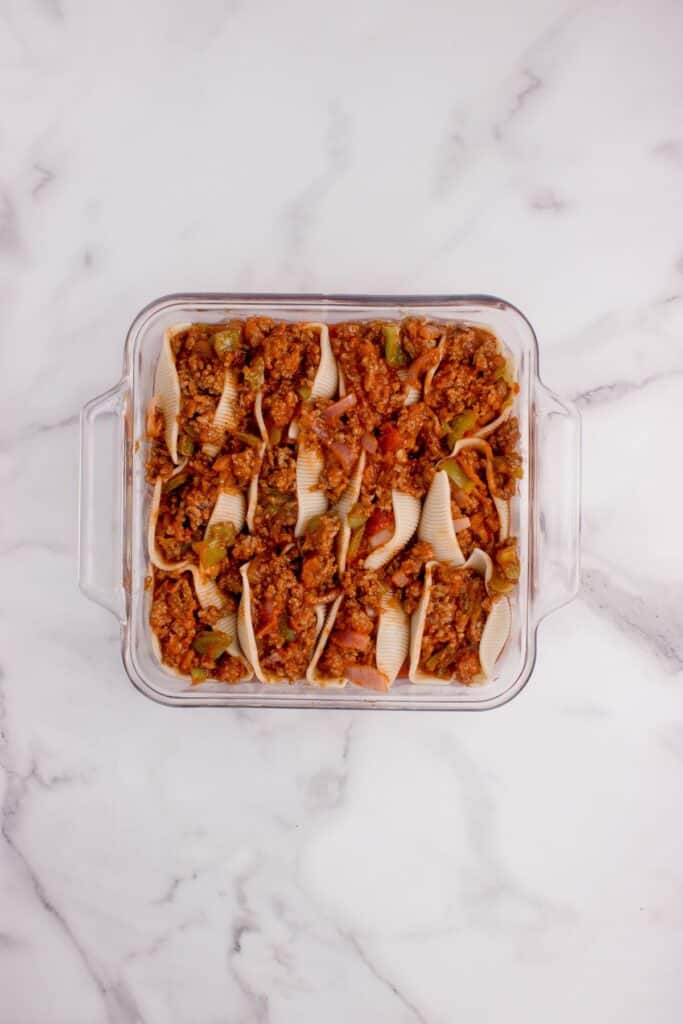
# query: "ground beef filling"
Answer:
x=283 y=614
x=186 y=638
x=472 y=504
x=457 y=611
x=463 y=383
x=471 y=380
x=187 y=500
x=352 y=640
x=291 y=356
x=405 y=573
x=335 y=430
x=276 y=509
x=319 y=558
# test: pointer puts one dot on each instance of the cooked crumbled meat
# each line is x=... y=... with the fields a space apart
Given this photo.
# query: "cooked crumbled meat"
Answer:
x=180 y=626
x=319 y=566
x=359 y=350
x=352 y=640
x=454 y=622
x=276 y=511
x=284 y=618
x=470 y=377
x=405 y=572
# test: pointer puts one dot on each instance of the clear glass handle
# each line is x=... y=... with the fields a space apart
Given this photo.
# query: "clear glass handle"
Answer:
x=556 y=501
x=100 y=540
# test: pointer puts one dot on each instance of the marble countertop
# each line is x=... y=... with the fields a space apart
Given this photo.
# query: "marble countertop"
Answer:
x=220 y=867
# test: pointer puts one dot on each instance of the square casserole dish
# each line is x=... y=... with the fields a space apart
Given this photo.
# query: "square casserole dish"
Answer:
x=114 y=500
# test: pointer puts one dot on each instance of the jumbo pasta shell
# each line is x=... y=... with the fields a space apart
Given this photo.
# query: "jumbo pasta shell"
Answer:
x=310 y=500
x=436 y=522
x=209 y=596
x=494 y=635
x=417 y=626
x=344 y=506
x=252 y=493
x=245 y=630
x=406 y=517
x=325 y=381
x=391 y=643
x=501 y=505
x=258 y=416
x=393 y=639
x=230 y=507
x=413 y=395
x=312 y=674
x=155 y=555
x=490 y=427
x=167 y=390
x=225 y=416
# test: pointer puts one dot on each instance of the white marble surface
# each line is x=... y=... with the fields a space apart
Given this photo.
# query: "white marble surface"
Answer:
x=526 y=864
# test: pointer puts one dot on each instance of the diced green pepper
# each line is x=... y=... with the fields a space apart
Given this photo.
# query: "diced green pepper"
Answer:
x=254 y=375
x=499 y=585
x=313 y=524
x=286 y=631
x=508 y=562
x=198 y=675
x=222 y=533
x=460 y=425
x=174 y=482
x=304 y=392
x=212 y=642
x=355 y=543
x=185 y=445
x=275 y=436
x=210 y=553
x=457 y=475
x=250 y=439
x=357 y=516
x=227 y=340
x=393 y=351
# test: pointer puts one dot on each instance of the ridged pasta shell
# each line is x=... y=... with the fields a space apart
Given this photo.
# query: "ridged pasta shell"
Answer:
x=230 y=507
x=252 y=493
x=406 y=517
x=494 y=635
x=429 y=375
x=225 y=416
x=413 y=395
x=209 y=596
x=155 y=555
x=310 y=501
x=393 y=639
x=325 y=381
x=245 y=630
x=344 y=506
x=167 y=390
x=490 y=427
x=436 y=522
x=391 y=645
x=501 y=505
x=312 y=675
x=258 y=416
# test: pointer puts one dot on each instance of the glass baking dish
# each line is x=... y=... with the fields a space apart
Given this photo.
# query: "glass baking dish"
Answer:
x=114 y=500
